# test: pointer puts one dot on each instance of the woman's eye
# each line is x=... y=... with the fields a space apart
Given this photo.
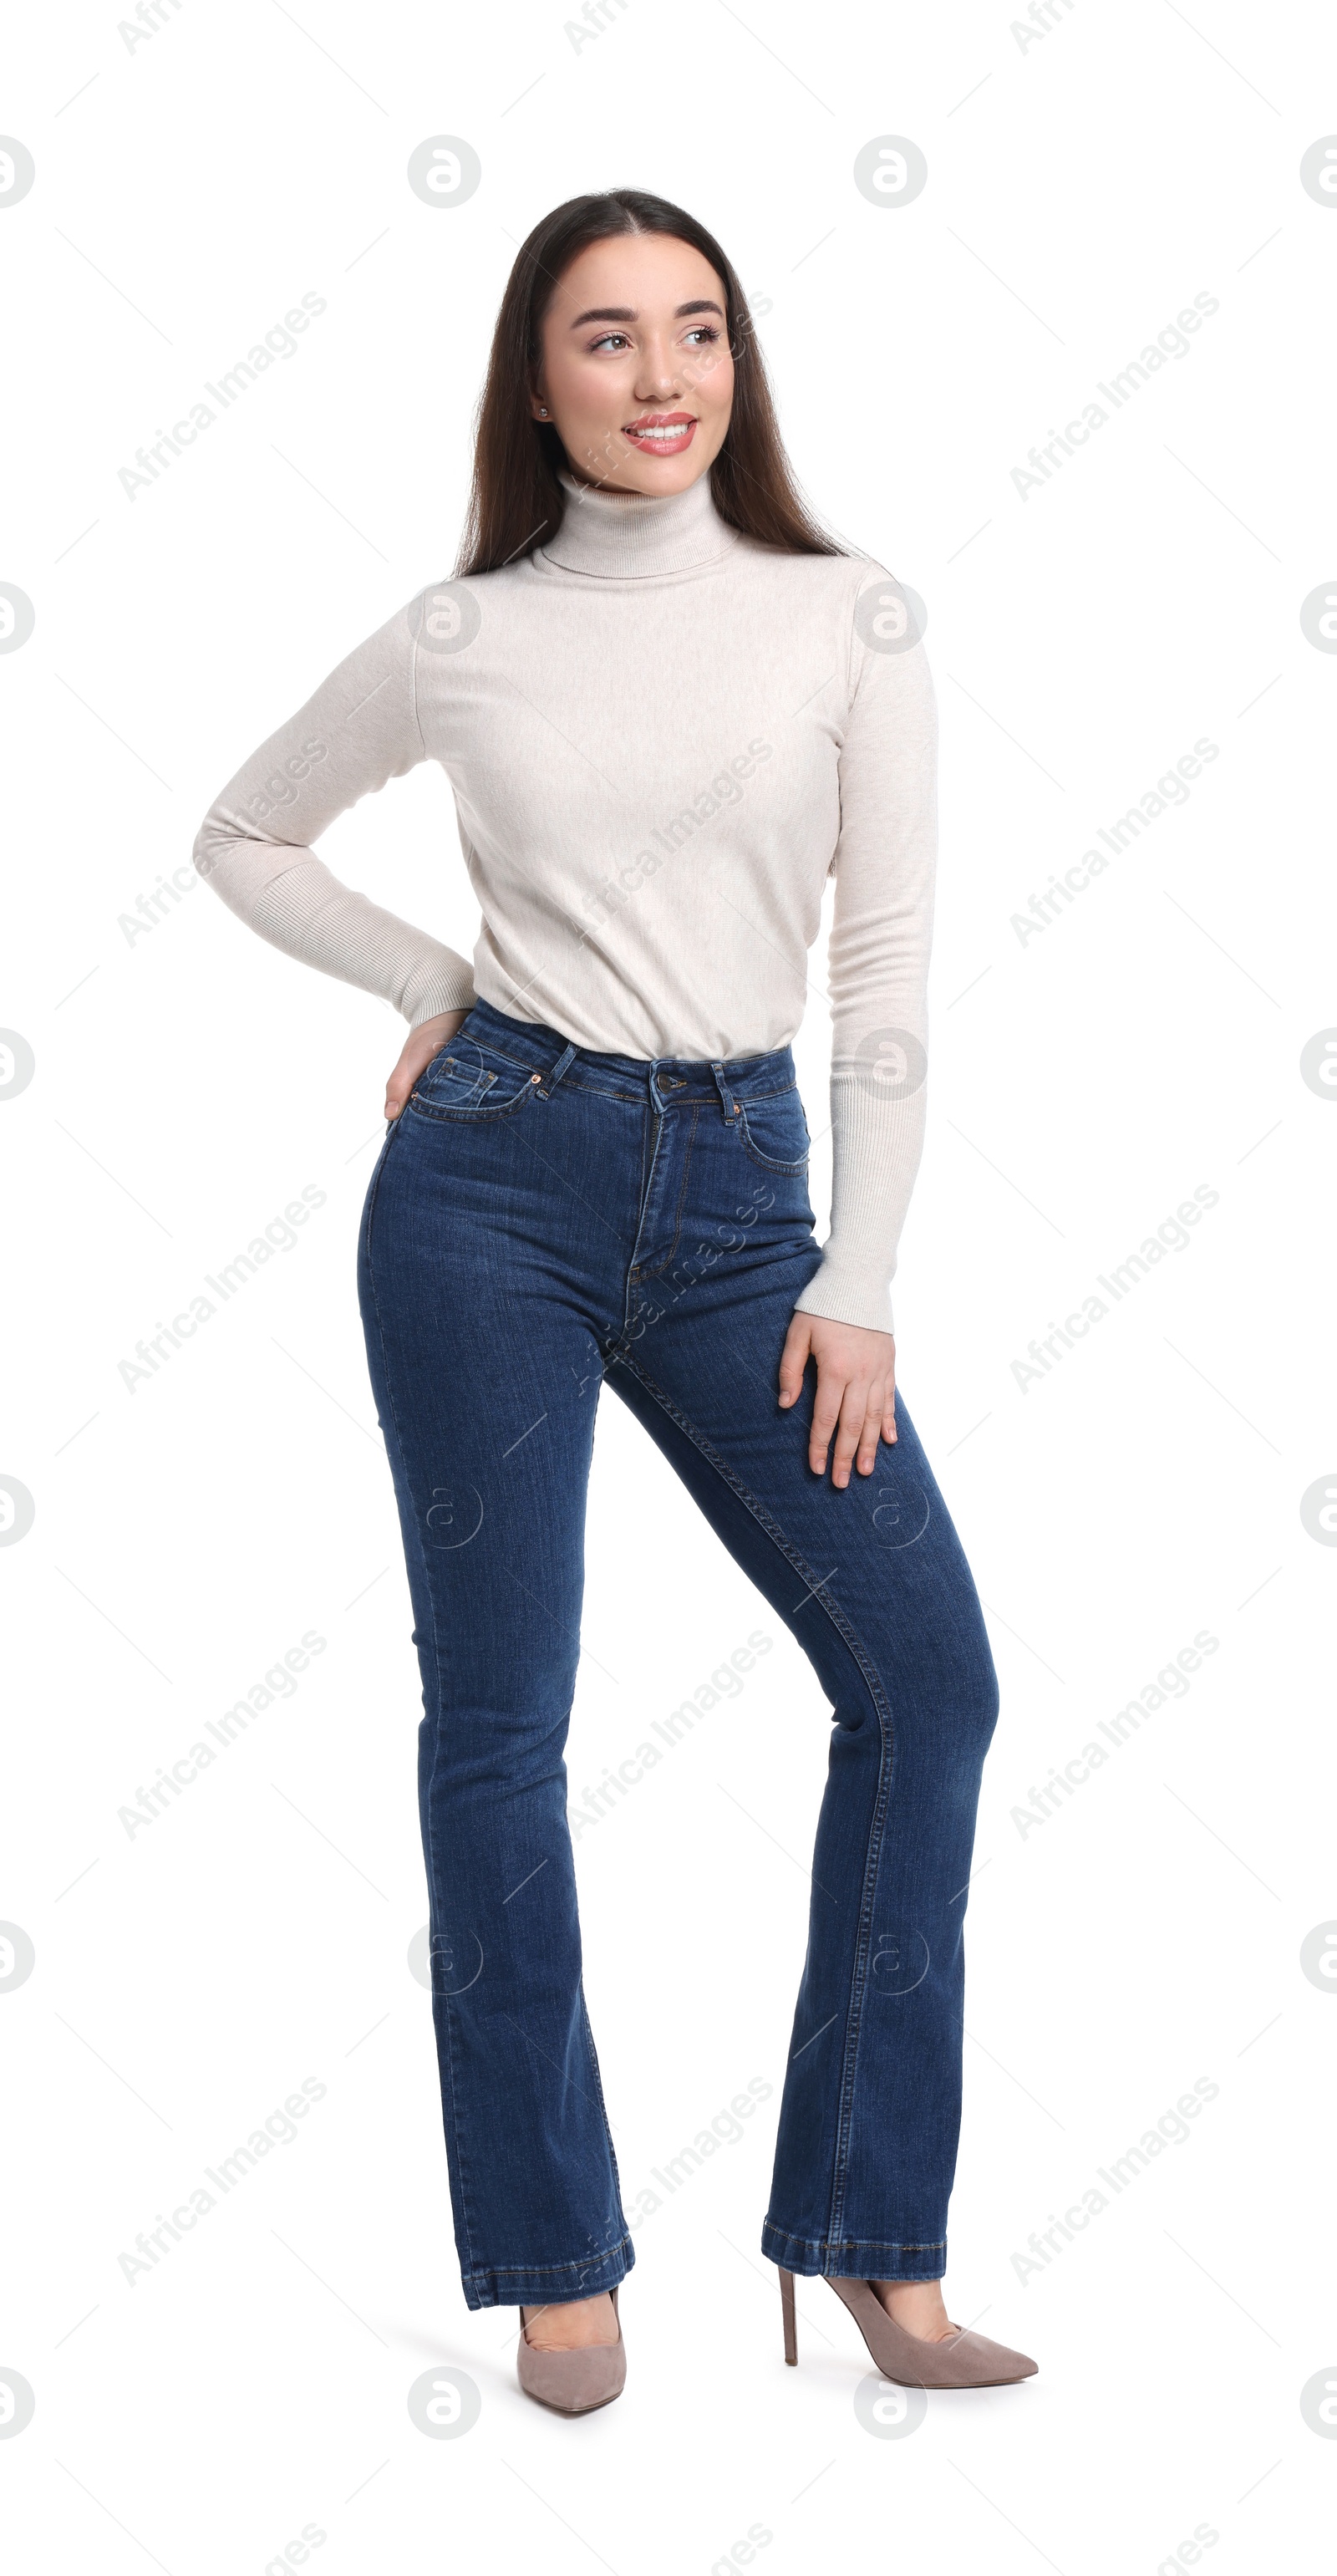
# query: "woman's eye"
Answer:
x=607 y=340
x=704 y=331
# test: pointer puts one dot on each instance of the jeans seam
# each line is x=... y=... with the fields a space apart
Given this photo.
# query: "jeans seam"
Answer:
x=603 y=2107
x=661 y=1266
x=372 y=1195
x=844 y=1628
x=471 y=1117
x=582 y=2263
x=604 y=1090
x=859 y=2244
x=790 y=2249
x=778 y=1171
x=630 y=1292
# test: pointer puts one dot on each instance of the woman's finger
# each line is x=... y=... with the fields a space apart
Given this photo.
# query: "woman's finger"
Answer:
x=853 y=1413
x=825 y=1413
x=874 y=1417
x=794 y=1358
x=889 y=1430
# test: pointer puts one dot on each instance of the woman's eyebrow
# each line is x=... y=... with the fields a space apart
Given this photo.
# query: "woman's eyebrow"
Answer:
x=626 y=313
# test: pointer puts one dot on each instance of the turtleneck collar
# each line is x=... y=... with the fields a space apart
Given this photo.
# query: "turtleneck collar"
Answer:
x=627 y=536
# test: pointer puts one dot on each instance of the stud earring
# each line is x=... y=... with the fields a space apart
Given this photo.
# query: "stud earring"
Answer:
x=542 y=412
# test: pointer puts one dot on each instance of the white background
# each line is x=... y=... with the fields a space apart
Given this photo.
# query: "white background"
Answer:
x=1082 y=190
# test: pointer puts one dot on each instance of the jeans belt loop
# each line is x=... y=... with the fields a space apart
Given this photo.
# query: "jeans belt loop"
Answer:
x=730 y=1104
x=550 y=1081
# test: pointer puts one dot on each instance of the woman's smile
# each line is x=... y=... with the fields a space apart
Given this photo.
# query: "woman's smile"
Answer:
x=661 y=433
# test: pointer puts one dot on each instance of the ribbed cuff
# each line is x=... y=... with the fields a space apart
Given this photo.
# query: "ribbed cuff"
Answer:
x=435 y=992
x=847 y=1299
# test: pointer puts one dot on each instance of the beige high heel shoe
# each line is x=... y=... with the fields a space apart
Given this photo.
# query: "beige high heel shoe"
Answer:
x=962 y=2360
x=575 y=2382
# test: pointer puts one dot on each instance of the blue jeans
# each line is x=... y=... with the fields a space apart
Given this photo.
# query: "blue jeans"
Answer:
x=544 y=1220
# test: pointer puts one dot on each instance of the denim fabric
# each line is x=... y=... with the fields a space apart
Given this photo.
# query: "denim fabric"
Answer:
x=545 y=1220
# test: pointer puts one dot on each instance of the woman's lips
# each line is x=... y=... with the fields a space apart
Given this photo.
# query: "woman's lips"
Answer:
x=667 y=436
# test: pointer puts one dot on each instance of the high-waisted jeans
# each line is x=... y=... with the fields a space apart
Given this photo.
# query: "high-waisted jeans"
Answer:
x=545 y=1220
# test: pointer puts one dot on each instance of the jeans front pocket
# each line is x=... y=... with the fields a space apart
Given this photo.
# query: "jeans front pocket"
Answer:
x=774 y=1131
x=466 y=1080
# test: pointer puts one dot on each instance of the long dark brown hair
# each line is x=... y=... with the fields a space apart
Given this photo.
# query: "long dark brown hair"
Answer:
x=516 y=500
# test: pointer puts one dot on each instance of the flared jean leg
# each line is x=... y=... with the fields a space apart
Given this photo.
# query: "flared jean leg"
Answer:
x=493 y=1532
x=871 y=2107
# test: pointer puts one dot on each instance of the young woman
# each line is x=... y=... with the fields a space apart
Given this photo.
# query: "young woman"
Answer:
x=669 y=708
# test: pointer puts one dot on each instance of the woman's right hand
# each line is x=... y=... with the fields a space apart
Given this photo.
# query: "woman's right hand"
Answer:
x=420 y=1046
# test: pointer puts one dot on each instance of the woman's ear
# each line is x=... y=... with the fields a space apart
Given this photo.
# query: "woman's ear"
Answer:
x=538 y=407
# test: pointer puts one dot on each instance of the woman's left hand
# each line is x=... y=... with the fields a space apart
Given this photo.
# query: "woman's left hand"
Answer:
x=856 y=1390
x=419 y=1047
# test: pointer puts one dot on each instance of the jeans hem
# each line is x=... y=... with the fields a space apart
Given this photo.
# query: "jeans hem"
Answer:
x=854 y=2258
x=550 y=2284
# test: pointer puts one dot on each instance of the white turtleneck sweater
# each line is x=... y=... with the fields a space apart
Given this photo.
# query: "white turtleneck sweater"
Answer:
x=661 y=737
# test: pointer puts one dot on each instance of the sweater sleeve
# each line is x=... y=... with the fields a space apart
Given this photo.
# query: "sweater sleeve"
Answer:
x=879 y=951
x=360 y=729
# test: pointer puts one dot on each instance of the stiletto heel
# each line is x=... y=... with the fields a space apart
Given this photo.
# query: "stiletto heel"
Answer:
x=787 y=2308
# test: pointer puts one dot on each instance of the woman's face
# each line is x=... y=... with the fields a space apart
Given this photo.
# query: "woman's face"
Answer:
x=635 y=343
